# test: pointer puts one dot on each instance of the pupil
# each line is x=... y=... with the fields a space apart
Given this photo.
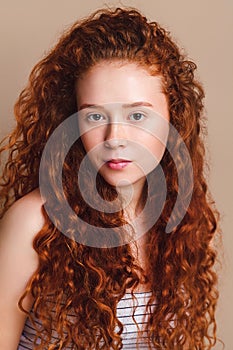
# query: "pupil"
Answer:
x=137 y=116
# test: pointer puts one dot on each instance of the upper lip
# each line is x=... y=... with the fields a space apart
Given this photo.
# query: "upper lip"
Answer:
x=118 y=160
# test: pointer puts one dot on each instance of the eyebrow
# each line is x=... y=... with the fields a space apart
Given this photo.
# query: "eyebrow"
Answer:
x=126 y=105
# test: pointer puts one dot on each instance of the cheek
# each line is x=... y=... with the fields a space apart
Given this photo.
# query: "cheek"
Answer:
x=90 y=140
x=86 y=143
x=158 y=149
x=155 y=150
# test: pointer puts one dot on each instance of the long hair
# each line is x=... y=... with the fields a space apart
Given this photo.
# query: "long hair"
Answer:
x=88 y=281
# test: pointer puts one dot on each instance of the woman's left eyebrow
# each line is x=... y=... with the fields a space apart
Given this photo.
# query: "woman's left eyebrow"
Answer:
x=126 y=105
x=137 y=104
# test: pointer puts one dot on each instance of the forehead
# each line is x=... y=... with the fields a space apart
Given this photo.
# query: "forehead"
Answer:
x=111 y=82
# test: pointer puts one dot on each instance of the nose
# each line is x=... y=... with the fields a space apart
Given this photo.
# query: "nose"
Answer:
x=115 y=136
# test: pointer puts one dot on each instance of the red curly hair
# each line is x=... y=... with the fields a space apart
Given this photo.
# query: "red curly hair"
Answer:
x=93 y=280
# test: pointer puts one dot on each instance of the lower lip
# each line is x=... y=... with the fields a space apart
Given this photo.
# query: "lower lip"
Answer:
x=117 y=166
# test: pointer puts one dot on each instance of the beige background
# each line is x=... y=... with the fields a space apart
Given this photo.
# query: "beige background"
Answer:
x=203 y=27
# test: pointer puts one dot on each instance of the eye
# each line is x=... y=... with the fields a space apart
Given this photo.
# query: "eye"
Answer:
x=137 y=116
x=95 y=117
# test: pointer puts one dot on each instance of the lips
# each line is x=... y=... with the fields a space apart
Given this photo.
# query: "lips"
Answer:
x=118 y=164
x=118 y=160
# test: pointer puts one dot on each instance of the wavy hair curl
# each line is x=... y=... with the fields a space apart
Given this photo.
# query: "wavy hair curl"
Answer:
x=93 y=280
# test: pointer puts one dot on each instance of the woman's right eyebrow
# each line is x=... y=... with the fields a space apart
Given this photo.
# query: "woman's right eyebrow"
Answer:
x=87 y=105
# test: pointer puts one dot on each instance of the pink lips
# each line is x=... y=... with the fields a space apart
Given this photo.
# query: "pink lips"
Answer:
x=118 y=164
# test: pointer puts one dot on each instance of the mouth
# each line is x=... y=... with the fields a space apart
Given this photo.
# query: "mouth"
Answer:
x=118 y=163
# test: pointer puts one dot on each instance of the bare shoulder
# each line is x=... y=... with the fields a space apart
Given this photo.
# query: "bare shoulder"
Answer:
x=19 y=261
x=26 y=211
x=18 y=228
x=25 y=215
x=31 y=201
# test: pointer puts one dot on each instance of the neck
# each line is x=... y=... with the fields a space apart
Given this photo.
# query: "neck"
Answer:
x=130 y=195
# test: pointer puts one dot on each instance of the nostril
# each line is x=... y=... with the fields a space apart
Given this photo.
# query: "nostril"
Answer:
x=115 y=143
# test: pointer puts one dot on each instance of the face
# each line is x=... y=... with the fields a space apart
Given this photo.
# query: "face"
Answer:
x=123 y=119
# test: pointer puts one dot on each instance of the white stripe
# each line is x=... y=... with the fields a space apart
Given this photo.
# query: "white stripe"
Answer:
x=124 y=313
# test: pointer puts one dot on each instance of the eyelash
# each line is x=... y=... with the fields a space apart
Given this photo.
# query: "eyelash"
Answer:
x=137 y=113
x=89 y=117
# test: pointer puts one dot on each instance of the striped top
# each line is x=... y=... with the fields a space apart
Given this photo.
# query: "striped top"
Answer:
x=125 y=309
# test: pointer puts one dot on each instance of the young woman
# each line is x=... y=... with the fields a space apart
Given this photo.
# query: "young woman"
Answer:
x=107 y=222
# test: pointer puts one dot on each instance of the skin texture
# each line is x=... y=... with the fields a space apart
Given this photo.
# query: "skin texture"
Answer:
x=111 y=131
x=116 y=133
x=17 y=231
